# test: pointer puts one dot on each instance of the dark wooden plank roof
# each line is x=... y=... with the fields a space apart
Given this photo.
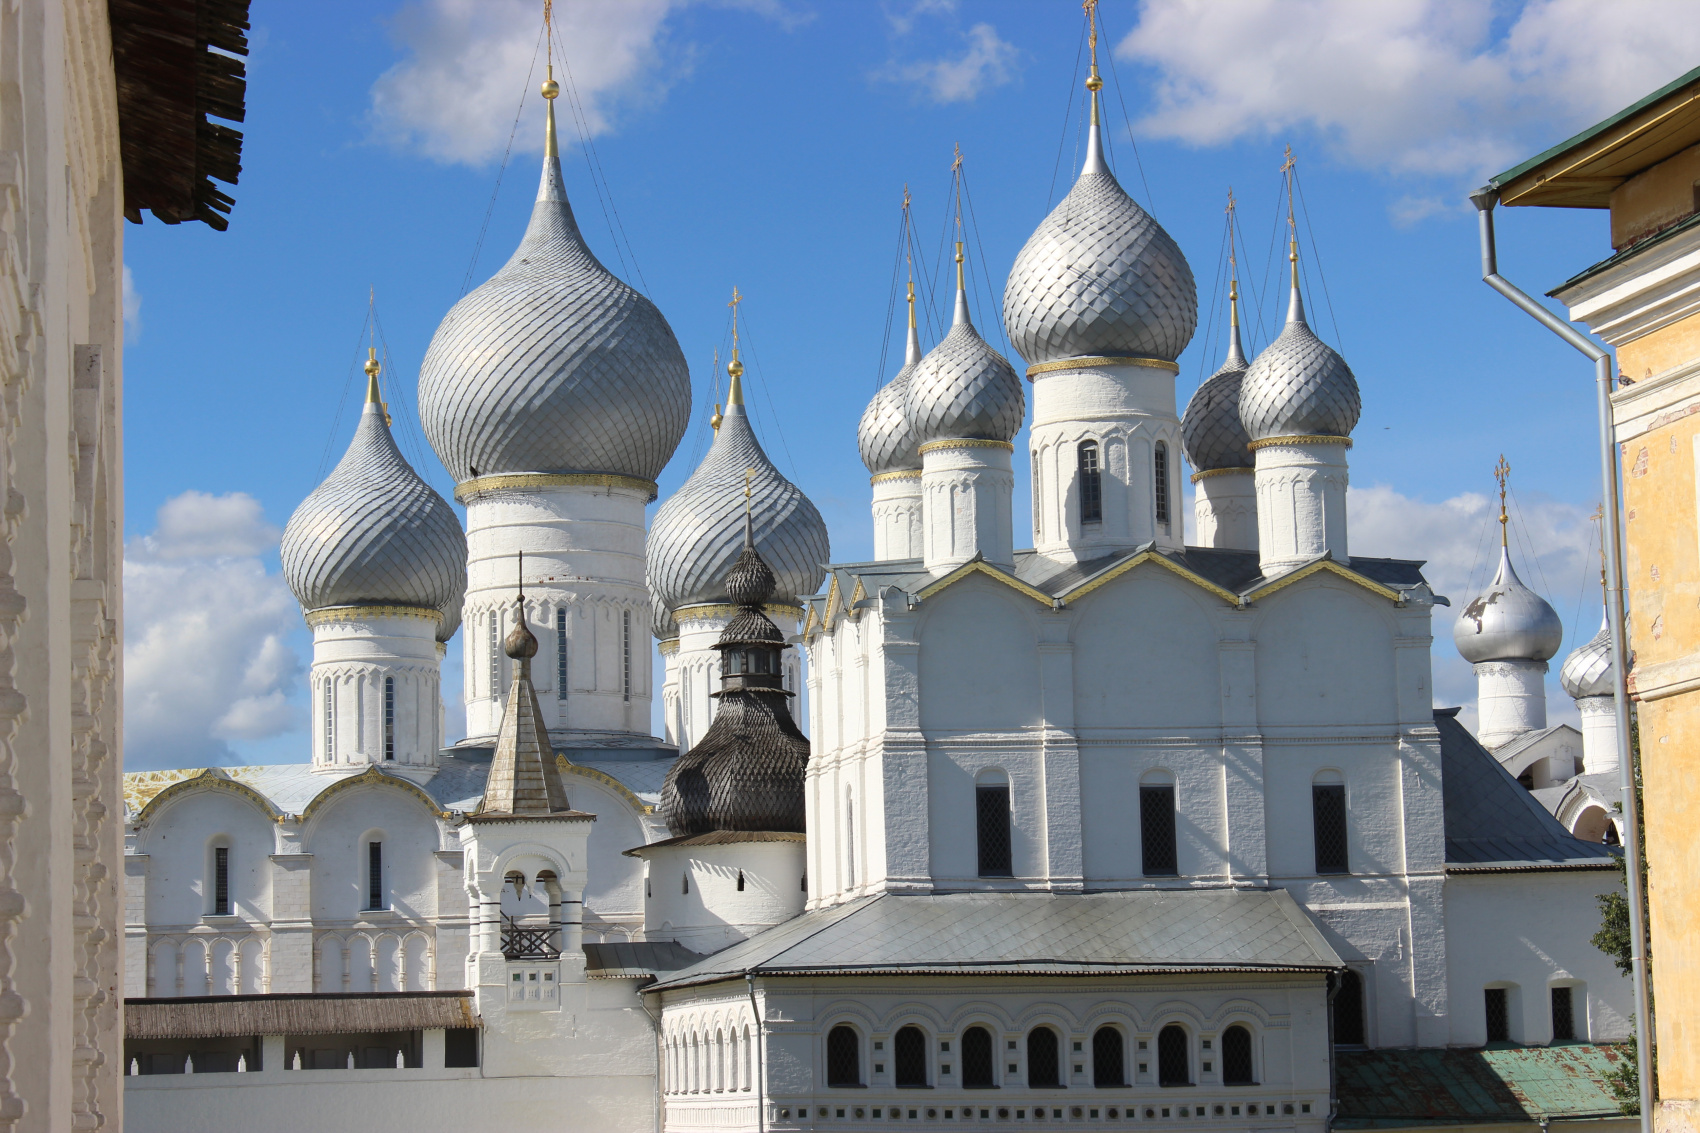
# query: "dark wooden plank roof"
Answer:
x=178 y=66
x=237 y=1016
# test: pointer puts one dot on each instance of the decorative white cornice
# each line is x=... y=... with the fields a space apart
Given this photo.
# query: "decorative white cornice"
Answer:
x=1643 y=293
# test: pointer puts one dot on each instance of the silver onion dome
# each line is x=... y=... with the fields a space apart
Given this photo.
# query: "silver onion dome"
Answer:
x=554 y=364
x=1099 y=277
x=1212 y=433
x=1507 y=621
x=698 y=533
x=884 y=437
x=963 y=389
x=375 y=534
x=1588 y=671
x=1299 y=385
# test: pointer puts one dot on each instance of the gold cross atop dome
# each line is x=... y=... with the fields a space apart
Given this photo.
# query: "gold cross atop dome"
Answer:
x=1502 y=473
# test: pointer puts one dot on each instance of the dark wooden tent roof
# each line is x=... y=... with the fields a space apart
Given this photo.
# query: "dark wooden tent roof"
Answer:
x=178 y=66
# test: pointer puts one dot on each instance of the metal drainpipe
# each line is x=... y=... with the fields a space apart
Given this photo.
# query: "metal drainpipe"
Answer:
x=761 y=1056
x=660 y=1059
x=1484 y=199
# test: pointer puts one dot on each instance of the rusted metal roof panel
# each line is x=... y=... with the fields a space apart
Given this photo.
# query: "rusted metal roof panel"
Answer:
x=1385 y=1089
x=235 y=1016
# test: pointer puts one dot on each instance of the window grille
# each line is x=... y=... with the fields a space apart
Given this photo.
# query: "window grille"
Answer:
x=1498 y=1017
x=330 y=719
x=1328 y=816
x=495 y=654
x=389 y=717
x=977 y=1058
x=992 y=811
x=626 y=653
x=1236 y=1057
x=1157 y=830
x=909 y=1046
x=1563 y=1015
x=1160 y=482
x=843 y=1057
x=560 y=655
x=375 y=875
x=1107 y=1058
x=1172 y=1068
x=1042 y=1063
x=221 y=882
x=1091 y=484
x=1349 y=1010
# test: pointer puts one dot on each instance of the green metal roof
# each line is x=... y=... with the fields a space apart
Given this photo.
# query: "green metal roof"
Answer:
x=1387 y=1089
x=1593 y=131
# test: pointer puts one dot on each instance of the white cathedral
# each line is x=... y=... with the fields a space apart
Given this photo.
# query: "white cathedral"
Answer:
x=1114 y=830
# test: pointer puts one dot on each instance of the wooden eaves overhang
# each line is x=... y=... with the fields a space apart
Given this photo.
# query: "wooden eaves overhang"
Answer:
x=1583 y=171
x=178 y=65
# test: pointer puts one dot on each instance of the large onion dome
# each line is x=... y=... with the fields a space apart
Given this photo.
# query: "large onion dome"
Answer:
x=887 y=442
x=698 y=534
x=963 y=389
x=1299 y=385
x=374 y=533
x=746 y=773
x=554 y=365
x=1099 y=277
x=1588 y=671
x=1212 y=433
x=1507 y=621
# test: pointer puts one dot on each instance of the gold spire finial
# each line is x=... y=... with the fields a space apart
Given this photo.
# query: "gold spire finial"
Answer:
x=960 y=285
x=714 y=421
x=1501 y=473
x=1233 y=262
x=1599 y=519
x=1093 y=82
x=735 y=368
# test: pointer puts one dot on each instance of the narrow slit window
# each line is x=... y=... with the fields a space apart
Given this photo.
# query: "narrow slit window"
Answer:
x=389 y=718
x=1349 y=1010
x=1091 y=484
x=330 y=719
x=1563 y=1015
x=1328 y=817
x=221 y=882
x=626 y=653
x=1160 y=481
x=991 y=803
x=1107 y=1061
x=560 y=655
x=740 y=881
x=1157 y=830
x=1498 y=1015
x=375 y=875
x=495 y=655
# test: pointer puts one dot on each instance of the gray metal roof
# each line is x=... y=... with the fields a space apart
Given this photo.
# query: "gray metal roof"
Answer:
x=1033 y=934
x=1491 y=821
x=636 y=959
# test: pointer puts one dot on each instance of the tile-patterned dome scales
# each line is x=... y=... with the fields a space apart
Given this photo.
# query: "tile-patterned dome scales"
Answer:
x=554 y=365
x=884 y=436
x=1299 y=386
x=1589 y=670
x=1212 y=433
x=963 y=389
x=374 y=533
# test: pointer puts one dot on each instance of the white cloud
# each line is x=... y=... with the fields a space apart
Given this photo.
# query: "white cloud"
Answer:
x=206 y=657
x=987 y=61
x=1408 y=86
x=132 y=303
x=903 y=20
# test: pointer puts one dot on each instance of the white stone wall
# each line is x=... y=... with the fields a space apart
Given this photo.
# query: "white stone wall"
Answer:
x=353 y=656
x=711 y=897
x=1224 y=508
x=1511 y=699
x=898 y=525
x=1301 y=501
x=966 y=492
x=1599 y=734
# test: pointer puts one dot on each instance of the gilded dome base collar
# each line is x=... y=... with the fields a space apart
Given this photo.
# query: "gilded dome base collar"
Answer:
x=331 y=615
x=1101 y=362
x=470 y=490
x=969 y=442
x=1301 y=439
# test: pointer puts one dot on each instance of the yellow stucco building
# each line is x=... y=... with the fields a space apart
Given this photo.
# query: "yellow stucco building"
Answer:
x=1643 y=164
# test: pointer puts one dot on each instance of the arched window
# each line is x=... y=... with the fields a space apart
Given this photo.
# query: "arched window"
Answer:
x=977 y=1058
x=1236 y=1057
x=375 y=875
x=221 y=881
x=1328 y=821
x=626 y=653
x=1349 y=1010
x=1157 y=826
x=329 y=709
x=1498 y=1005
x=1107 y=1058
x=389 y=717
x=1563 y=1014
x=1091 y=484
x=909 y=1046
x=560 y=655
x=843 y=1057
x=991 y=811
x=1043 y=1066
x=1172 y=1063
x=1160 y=482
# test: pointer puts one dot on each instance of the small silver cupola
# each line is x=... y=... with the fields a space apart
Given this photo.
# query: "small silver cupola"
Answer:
x=963 y=389
x=1507 y=621
x=1212 y=433
x=1299 y=385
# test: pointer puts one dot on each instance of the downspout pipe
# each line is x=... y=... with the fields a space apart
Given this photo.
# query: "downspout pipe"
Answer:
x=761 y=1055
x=1485 y=199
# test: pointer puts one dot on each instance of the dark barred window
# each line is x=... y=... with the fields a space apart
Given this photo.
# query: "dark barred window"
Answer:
x=1043 y=1067
x=1328 y=817
x=1091 y=484
x=1498 y=1016
x=375 y=875
x=1349 y=1010
x=977 y=1058
x=389 y=717
x=1563 y=1015
x=991 y=803
x=910 y=1047
x=1157 y=830
x=1172 y=1068
x=1107 y=1058
x=1236 y=1057
x=221 y=881
x=1160 y=482
x=843 y=1057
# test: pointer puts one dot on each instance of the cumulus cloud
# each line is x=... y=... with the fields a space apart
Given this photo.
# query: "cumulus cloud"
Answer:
x=987 y=61
x=206 y=657
x=1407 y=86
x=131 y=300
x=1554 y=553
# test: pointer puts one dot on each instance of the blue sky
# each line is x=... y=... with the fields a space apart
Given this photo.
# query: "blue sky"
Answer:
x=765 y=145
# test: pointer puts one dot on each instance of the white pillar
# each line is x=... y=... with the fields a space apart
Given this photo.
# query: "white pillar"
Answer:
x=1224 y=507
x=1127 y=411
x=897 y=515
x=1301 y=500
x=583 y=538
x=967 y=489
x=1511 y=699
x=670 y=707
x=356 y=649
x=1599 y=734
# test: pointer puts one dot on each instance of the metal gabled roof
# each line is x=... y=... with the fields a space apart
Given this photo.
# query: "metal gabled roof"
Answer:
x=1049 y=934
